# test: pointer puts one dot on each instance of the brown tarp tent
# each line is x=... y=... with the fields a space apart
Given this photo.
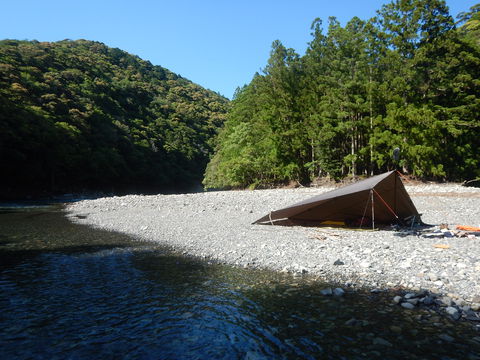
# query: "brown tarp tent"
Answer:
x=381 y=199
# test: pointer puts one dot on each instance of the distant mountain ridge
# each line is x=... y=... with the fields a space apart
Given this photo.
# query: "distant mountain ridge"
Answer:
x=79 y=115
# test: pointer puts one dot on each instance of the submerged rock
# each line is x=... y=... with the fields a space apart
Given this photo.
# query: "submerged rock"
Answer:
x=427 y=300
x=413 y=301
x=407 y=305
x=446 y=337
x=326 y=292
x=338 y=292
x=410 y=296
x=397 y=299
x=453 y=312
x=382 y=342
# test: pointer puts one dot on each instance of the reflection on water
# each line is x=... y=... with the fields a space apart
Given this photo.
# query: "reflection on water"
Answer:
x=67 y=291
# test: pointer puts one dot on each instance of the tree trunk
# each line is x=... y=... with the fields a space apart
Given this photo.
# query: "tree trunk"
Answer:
x=353 y=151
x=371 y=120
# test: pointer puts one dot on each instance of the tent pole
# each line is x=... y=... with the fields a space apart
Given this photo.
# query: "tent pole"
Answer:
x=395 y=195
x=364 y=211
x=373 y=211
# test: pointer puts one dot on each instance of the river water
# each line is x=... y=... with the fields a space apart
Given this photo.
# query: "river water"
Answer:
x=71 y=292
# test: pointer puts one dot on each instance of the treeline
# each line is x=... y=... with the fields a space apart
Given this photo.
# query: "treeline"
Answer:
x=408 y=78
x=78 y=115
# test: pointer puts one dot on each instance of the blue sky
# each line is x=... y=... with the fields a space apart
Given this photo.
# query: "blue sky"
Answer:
x=217 y=44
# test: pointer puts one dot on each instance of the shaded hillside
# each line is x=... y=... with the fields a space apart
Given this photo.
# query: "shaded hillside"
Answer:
x=79 y=115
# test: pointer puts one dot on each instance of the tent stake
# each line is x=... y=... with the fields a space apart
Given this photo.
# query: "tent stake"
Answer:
x=373 y=211
x=270 y=217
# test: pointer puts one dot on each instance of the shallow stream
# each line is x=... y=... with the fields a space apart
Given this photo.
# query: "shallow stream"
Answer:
x=70 y=291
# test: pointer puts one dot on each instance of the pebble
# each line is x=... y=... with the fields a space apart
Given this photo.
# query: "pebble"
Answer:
x=413 y=301
x=397 y=299
x=428 y=300
x=351 y=322
x=396 y=329
x=382 y=342
x=446 y=337
x=476 y=298
x=409 y=296
x=338 y=292
x=453 y=312
x=407 y=305
x=446 y=301
x=326 y=292
x=365 y=264
x=472 y=315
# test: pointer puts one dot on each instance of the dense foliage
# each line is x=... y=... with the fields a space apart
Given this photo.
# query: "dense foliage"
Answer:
x=79 y=115
x=408 y=78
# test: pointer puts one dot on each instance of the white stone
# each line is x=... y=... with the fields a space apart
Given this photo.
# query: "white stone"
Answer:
x=365 y=264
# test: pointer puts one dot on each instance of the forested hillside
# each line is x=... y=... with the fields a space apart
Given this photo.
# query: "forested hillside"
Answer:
x=408 y=78
x=78 y=115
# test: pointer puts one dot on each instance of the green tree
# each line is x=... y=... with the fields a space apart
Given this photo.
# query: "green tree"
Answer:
x=469 y=22
x=79 y=115
x=406 y=78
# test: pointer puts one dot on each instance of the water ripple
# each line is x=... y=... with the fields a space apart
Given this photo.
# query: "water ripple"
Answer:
x=103 y=299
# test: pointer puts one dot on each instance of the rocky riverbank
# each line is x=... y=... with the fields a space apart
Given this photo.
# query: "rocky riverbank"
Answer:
x=218 y=226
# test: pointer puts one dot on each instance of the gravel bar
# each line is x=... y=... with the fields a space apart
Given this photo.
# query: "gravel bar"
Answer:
x=218 y=226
